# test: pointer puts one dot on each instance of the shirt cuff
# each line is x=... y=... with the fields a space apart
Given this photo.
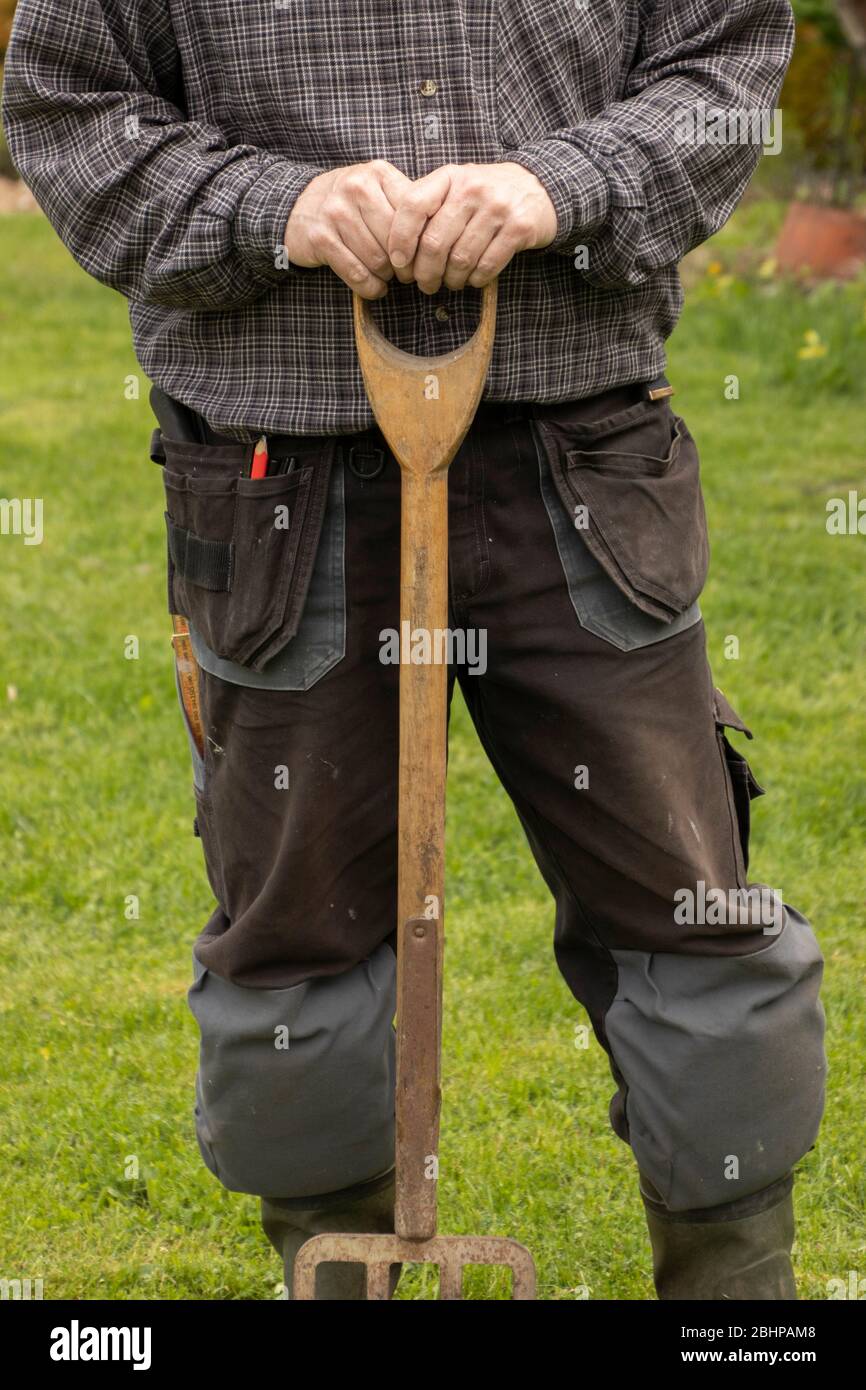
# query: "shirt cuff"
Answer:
x=262 y=214
x=578 y=191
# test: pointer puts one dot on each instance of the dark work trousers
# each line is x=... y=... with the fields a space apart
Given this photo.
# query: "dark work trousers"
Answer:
x=578 y=551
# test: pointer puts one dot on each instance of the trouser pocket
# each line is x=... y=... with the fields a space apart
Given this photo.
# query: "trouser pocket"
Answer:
x=241 y=550
x=602 y=607
x=743 y=786
x=630 y=485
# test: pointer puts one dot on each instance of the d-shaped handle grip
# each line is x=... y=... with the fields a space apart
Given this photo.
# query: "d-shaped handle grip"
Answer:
x=424 y=405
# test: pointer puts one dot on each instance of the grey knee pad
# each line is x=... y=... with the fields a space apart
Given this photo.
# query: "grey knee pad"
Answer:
x=724 y=1066
x=295 y=1087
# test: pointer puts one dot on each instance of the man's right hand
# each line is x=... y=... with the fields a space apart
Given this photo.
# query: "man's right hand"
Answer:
x=343 y=219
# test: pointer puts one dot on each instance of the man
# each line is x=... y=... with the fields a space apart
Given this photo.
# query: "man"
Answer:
x=234 y=170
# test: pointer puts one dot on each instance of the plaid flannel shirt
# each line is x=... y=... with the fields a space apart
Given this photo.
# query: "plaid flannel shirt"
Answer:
x=167 y=141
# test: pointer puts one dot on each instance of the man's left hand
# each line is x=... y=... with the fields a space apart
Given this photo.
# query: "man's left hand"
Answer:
x=463 y=223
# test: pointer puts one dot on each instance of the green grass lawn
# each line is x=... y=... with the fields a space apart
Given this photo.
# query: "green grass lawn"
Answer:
x=104 y=1193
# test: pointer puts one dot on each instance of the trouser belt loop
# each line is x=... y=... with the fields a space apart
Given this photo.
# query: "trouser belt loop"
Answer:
x=365 y=460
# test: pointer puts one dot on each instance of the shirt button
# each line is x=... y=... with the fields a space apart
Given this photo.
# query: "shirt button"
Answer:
x=442 y=314
x=428 y=87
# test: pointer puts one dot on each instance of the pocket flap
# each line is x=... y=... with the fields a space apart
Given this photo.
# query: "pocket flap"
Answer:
x=726 y=715
x=641 y=506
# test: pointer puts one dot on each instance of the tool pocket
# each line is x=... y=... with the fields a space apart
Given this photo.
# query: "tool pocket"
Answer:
x=630 y=485
x=241 y=550
x=742 y=784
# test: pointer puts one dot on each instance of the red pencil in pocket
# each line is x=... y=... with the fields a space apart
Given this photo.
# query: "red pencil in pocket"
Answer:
x=259 y=467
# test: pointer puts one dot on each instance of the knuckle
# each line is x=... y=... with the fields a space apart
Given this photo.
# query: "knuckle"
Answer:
x=332 y=206
x=432 y=242
x=521 y=225
x=354 y=181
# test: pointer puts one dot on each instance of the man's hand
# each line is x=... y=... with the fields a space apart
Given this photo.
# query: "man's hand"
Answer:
x=464 y=222
x=343 y=219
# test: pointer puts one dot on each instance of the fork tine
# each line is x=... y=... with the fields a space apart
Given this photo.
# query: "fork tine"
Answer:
x=450 y=1281
x=379 y=1281
x=378 y=1252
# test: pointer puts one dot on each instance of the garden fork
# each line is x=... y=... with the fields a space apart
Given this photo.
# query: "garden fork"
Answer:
x=424 y=407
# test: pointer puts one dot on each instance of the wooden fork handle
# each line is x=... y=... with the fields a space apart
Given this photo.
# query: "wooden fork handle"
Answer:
x=424 y=407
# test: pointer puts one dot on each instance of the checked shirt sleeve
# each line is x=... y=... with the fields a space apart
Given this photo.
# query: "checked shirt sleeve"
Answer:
x=163 y=209
x=626 y=184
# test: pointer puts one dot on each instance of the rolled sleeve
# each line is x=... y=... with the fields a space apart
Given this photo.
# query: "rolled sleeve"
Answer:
x=262 y=214
x=577 y=189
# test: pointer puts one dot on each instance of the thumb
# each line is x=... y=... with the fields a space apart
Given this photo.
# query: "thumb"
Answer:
x=395 y=185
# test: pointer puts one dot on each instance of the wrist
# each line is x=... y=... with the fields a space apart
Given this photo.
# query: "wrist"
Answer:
x=304 y=215
x=544 y=214
x=264 y=212
x=576 y=188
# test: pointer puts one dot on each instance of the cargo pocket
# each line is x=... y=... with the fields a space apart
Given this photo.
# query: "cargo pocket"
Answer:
x=241 y=550
x=601 y=607
x=630 y=489
x=742 y=784
x=203 y=826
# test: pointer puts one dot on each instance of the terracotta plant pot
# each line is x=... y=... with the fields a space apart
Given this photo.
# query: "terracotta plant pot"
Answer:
x=824 y=242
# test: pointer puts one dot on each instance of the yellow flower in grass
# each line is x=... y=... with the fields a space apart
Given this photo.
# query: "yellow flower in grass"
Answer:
x=812 y=346
x=715 y=268
x=768 y=268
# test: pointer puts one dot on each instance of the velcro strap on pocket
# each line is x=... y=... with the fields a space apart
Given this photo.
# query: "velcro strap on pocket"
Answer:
x=203 y=562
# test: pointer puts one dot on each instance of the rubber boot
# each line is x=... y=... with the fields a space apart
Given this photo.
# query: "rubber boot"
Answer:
x=738 y=1251
x=368 y=1208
